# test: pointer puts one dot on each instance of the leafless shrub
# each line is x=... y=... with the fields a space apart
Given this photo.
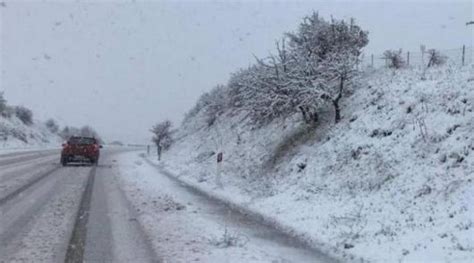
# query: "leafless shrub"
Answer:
x=19 y=134
x=420 y=124
x=352 y=224
x=386 y=231
x=229 y=239
x=435 y=58
x=394 y=59
x=24 y=114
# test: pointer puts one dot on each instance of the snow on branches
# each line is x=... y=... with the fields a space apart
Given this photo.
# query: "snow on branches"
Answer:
x=311 y=68
x=162 y=136
x=394 y=59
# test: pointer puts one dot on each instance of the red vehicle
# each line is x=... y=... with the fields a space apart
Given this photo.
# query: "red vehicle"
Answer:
x=80 y=149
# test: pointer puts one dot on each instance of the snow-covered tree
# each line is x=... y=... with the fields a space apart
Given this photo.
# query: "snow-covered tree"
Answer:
x=394 y=58
x=260 y=91
x=272 y=88
x=327 y=55
x=24 y=114
x=338 y=71
x=314 y=68
x=65 y=133
x=88 y=131
x=435 y=58
x=52 y=126
x=316 y=38
x=216 y=102
x=3 y=104
x=162 y=136
x=69 y=131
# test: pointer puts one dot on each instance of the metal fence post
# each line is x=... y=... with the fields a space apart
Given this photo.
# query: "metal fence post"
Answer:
x=463 y=53
x=408 y=58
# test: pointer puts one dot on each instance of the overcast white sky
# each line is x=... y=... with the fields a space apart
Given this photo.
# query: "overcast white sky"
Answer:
x=121 y=66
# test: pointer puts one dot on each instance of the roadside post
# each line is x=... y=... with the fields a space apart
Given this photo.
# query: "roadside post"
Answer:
x=148 y=149
x=219 y=170
x=424 y=67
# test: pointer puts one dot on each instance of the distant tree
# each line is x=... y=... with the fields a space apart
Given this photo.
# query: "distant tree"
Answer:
x=67 y=132
x=24 y=114
x=394 y=59
x=88 y=131
x=52 y=126
x=162 y=136
x=435 y=58
x=64 y=133
x=118 y=143
x=3 y=104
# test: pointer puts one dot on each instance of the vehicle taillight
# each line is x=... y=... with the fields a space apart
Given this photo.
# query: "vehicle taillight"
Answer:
x=96 y=147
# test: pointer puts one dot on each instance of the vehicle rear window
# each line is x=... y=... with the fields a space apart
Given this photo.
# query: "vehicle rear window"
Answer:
x=80 y=140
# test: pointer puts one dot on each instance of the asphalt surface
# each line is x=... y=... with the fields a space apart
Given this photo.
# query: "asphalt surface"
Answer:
x=80 y=213
x=50 y=213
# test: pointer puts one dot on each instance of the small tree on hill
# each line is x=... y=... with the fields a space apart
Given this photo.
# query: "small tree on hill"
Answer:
x=327 y=55
x=216 y=102
x=24 y=114
x=162 y=136
x=52 y=126
x=338 y=70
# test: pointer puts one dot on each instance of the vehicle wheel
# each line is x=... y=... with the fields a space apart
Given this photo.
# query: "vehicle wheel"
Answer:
x=95 y=162
x=64 y=161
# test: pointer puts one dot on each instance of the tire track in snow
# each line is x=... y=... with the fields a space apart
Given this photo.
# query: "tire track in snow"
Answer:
x=75 y=250
x=24 y=187
x=24 y=169
x=17 y=214
x=6 y=162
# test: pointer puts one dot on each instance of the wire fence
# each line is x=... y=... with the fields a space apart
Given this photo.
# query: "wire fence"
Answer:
x=459 y=56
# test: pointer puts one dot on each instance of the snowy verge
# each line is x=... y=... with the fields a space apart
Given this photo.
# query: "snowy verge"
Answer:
x=232 y=199
x=15 y=136
x=393 y=181
x=186 y=224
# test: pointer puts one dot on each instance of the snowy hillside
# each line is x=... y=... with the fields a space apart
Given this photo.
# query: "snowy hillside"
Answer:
x=14 y=135
x=392 y=181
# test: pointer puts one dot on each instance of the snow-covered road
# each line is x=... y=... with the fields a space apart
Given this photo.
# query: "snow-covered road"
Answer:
x=124 y=210
x=51 y=213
